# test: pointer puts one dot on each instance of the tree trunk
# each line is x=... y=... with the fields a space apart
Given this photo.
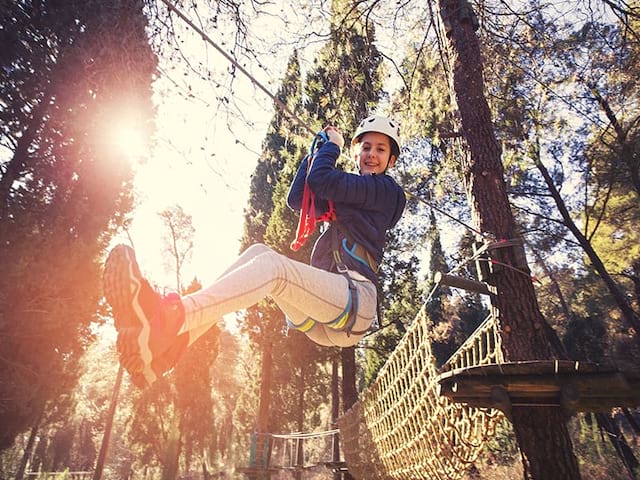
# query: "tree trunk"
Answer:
x=542 y=434
x=335 y=413
x=172 y=453
x=564 y=306
x=300 y=420
x=38 y=462
x=262 y=422
x=29 y=448
x=349 y=391
x=97 y=473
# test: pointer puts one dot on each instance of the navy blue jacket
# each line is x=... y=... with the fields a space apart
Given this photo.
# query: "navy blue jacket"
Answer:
x=365 y=205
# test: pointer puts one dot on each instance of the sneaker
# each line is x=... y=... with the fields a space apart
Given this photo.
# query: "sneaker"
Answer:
x=147 y=322
x=162 y=363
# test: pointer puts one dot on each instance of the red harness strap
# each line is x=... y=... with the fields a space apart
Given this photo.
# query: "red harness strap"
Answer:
x=307 y=221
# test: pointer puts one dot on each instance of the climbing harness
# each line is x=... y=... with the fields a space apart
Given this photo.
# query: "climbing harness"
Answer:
x=343 y=322
x=356 y=251
x=352 y=307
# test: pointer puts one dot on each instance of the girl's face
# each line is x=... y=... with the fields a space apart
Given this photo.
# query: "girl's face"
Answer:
x=373 y=154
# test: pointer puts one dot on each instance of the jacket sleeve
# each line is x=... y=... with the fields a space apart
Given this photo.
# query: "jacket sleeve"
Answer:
x=294 y=197
x=370 y=192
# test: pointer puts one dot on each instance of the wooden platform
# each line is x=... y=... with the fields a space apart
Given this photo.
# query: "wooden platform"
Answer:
x=575 y=386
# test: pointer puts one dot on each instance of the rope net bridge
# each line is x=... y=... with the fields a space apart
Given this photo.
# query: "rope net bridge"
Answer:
x=294 y=452
x=420 y=422
x=402 y=428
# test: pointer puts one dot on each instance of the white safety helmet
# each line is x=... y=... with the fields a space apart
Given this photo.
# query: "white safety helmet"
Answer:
x=379 y=124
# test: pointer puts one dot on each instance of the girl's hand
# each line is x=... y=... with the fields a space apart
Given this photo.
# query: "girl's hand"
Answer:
x=334 y=136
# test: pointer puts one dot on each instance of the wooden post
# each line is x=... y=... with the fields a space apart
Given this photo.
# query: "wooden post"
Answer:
x=335 y=412
x=459 y=282
x=106 y=437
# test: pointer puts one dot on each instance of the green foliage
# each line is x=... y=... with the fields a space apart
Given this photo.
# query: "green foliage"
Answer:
x=66 y=71
x=423 y=102
x=281 y=148
x=596 y=454
x=379 y=347
x=617 y=239
x=177 y=421
x=502 y=448
x=148 y=430
x=194 y=399
x=594 y=448
x=65 y=475
x=346 y=81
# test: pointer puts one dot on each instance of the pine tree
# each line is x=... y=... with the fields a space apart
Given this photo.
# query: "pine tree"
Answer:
x=265 y=323
x=344 y=86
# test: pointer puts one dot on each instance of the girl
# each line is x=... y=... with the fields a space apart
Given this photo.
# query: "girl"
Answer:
x=333 y=300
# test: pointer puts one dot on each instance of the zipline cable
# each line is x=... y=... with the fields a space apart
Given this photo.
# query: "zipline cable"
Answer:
x=451 y=217
x=283 y=106
x=208 y=39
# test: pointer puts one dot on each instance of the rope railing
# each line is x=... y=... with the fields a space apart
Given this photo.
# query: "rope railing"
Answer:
x=293 y=451
x=402 y=428
x=481 y=348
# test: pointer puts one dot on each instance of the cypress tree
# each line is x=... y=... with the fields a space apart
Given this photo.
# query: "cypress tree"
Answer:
x=344 y=86
x=265 y=323
x=68 y=69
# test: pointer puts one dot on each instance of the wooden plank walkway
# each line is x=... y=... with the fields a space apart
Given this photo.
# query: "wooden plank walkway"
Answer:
x=575 y=386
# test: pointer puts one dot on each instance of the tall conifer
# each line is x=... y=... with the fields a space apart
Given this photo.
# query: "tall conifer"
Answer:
x=68 y=71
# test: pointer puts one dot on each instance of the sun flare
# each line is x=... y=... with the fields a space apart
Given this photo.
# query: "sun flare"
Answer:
x=127 y=136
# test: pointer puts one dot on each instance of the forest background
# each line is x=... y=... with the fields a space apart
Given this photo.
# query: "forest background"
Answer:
x=561 y=83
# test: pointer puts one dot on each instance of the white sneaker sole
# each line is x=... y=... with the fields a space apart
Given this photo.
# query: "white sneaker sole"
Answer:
x=122 y=284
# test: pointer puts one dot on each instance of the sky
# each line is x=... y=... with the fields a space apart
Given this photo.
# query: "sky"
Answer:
x=202 y=159
x=208 y=179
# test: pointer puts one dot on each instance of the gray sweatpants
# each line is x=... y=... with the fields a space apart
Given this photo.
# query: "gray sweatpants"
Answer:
x=307 y=295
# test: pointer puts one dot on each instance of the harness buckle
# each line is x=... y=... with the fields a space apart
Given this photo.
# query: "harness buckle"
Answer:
x=340 y=266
